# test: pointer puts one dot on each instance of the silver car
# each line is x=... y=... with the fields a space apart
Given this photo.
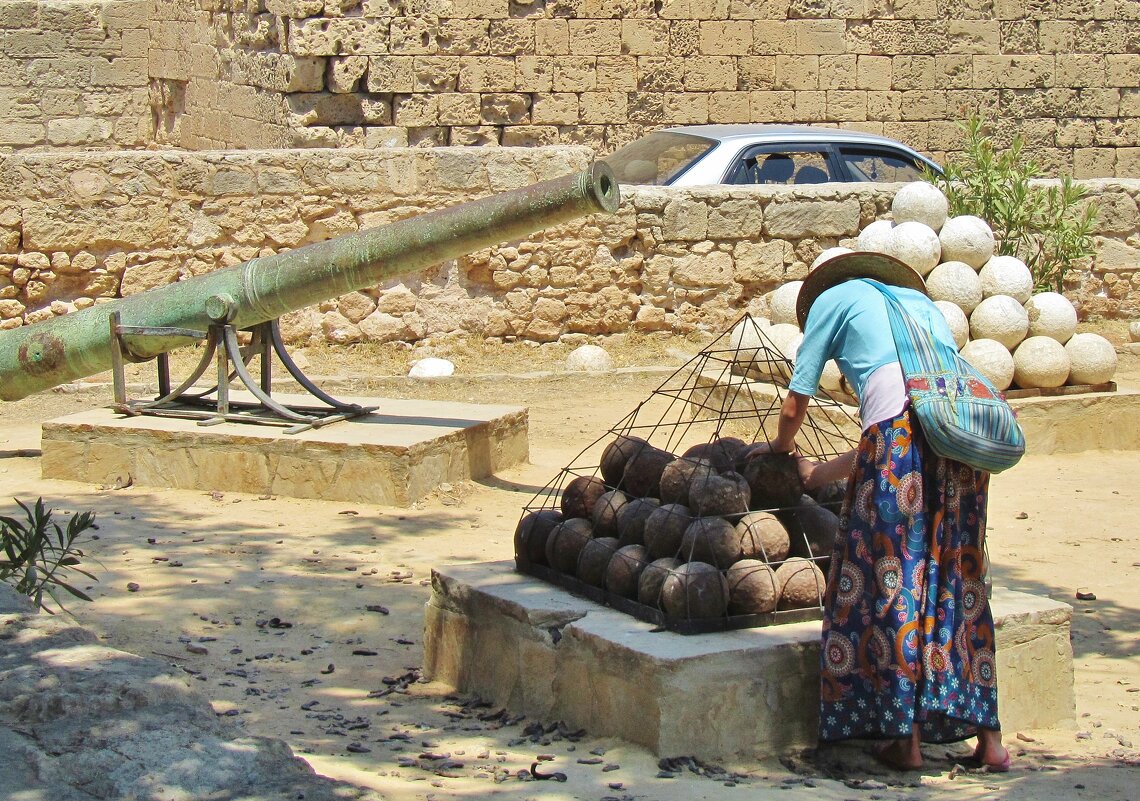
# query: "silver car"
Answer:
x=699 y=155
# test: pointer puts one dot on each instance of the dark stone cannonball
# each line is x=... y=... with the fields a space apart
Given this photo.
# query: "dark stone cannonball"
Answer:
x=631 y=520
x=665 y=528
x=652 y=577
x=752 y=588
x=710 y=539
x=532 y=532
x=773 y=479
x=642 y=476
x=801 y=584
x=726 y=494
x=625 y=569
x=595 y=558
x=695 y=591
x=679 y=475
x=616 y=454
x=763 y=536
x=722 y=453
x=566 y=542
x=831 y=495
x=605 y=514
x=580 y=496
x=816 y=527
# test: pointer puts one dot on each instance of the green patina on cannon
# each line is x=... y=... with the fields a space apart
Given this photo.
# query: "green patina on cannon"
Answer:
x=257 y=292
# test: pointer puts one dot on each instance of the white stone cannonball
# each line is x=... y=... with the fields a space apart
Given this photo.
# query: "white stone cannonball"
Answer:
x=992 y=359
x=967 y=238
x=780 y=336
x=1051 y=314
x=922 y=202
x=745 y=335
x=591 y=358
x=431 y=367
x=778 y=340
x=916 y=245
x=1134 y=331
x=1006 y=275
x=782 y=303
x=1092 y=359
x=1040 y=362
x=831 y=377
x=956 y=319
x=830 y=253
x=956 y=282
x=876 y=237
x=1002 y=318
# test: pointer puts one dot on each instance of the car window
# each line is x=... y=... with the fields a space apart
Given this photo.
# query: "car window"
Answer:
x=658 y=158
x=873 y=164
x=781 y=166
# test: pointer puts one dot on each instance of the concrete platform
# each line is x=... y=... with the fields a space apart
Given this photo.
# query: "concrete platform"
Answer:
x=1052 y=424
x=393 y=456
x=727 y=697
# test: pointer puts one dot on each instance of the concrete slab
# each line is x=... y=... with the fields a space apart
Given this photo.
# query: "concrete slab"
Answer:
x=728 y=697
x=393 y=456
x=1052 y=424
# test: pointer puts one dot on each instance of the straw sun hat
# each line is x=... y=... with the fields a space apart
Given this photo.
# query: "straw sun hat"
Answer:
x=848 y=266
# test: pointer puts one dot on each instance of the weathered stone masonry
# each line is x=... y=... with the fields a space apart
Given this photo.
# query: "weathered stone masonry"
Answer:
x=77 y=228
x=218 y=74
x=278 y=73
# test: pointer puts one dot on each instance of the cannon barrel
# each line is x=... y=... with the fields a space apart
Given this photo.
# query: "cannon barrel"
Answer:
x=53 y=352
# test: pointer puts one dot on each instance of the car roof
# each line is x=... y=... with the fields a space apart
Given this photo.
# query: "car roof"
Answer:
x=761 y=131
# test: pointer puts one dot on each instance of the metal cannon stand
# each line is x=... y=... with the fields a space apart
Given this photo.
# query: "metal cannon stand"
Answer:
x=214 y=405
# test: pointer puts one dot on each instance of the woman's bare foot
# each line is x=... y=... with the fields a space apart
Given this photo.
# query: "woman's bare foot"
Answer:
x=990 y=753
x=899 y=754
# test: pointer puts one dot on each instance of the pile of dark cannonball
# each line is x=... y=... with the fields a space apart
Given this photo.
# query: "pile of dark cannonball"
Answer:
x=718 y=533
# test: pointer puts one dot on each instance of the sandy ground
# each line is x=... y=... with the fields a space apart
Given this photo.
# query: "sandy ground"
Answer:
x=303 y=619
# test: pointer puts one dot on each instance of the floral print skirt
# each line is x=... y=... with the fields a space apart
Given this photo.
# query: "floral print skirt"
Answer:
x=908 y=636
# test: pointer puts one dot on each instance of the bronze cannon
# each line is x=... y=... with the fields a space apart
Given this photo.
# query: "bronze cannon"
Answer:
x=141 y=327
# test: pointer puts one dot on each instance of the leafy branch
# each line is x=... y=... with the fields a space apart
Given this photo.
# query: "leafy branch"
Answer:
x=38 y=557
x=1050 y=229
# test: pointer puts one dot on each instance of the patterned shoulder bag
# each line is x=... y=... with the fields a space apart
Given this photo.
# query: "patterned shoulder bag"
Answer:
x=962 y=415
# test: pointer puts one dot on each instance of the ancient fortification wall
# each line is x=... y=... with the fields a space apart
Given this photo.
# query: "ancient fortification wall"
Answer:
x=77 y=228
x=280 y=73
x=201 y=89
x=209 y=74
x=74 y=75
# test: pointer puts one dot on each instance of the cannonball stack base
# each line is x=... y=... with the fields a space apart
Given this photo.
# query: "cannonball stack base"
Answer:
x=727 y=697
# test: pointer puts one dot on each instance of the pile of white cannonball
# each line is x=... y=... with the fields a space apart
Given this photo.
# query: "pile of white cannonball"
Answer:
x=1009 y=334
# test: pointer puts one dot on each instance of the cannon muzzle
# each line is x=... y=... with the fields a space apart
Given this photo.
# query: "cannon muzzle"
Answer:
x=53 y=352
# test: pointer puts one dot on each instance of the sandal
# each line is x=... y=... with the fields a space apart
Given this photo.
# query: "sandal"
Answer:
x=974 y=762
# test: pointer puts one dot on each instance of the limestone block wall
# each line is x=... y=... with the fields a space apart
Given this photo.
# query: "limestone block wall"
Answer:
x=267 y=73
x=74 y=75
x=79 y=228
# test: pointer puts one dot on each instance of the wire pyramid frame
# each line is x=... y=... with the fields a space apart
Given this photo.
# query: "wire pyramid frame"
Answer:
x=731 y=391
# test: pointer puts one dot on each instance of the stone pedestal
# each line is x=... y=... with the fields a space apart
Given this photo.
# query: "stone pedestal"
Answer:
x=1052 y=423
x=727 y=697
x=393 y=456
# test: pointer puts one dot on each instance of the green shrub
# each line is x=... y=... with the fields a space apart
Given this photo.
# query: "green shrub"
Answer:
x=1050 y=229
x=39 y=558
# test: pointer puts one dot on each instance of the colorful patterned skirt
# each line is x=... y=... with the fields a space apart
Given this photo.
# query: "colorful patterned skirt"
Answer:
x=908 y=636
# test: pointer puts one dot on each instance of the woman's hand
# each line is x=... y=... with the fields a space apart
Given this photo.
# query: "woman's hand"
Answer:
x=808 y=471
x=814 y=475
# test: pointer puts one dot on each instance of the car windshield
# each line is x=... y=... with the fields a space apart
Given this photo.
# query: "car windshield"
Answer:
x=657 y=158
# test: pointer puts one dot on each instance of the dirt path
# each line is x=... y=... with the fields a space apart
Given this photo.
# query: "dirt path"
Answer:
x=303 y=619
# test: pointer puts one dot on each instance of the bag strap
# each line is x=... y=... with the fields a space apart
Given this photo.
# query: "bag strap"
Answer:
x=919 y=350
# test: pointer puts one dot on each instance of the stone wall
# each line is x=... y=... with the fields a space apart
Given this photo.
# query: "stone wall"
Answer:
x=278 y=73
x=73 y=75
x=78 y=228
